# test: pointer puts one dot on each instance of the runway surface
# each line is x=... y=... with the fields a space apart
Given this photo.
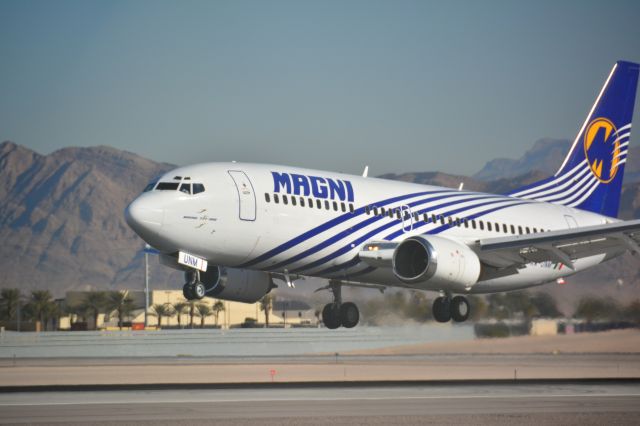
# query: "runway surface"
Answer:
x=524 y=404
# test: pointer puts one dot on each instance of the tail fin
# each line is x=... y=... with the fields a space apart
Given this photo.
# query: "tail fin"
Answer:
x=590 y=177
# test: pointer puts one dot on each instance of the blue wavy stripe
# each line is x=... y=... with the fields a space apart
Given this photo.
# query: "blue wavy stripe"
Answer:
x=436 y=230
x=346 y=233
x=369 y=235
x=328 y=225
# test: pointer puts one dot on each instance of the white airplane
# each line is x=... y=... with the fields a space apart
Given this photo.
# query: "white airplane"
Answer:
x=234 y=227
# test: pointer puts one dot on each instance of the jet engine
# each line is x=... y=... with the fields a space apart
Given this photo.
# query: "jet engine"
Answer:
x=239 y=285
x=432 y=262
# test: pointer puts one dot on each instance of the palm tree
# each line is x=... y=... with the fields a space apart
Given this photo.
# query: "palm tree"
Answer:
x=95 y=303
x=162 y=311
x=121 y=302
x=192 y=312
x=9 y=300
x=266 y=305
x=41 y=306
x=180 y=308
x=217 y=308
x=203 y=311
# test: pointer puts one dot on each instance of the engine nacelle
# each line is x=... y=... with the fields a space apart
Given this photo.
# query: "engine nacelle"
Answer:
x=239 y=285
x=432 y=262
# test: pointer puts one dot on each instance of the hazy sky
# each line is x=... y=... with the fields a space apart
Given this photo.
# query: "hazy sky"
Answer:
x=398 y=85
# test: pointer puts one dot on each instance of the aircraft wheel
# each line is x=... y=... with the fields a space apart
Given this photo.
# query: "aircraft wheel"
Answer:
x=441 y=311
x=187 y=291
x=459 y=308
x=331 y=316
x=199 y=291
x=349 y=315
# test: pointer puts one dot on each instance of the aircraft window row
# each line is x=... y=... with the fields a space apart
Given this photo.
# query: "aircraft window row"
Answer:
x=187 y=188
x=308 y=202
x=481 y=225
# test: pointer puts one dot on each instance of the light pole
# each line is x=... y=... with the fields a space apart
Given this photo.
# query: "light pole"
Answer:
x=147 y=248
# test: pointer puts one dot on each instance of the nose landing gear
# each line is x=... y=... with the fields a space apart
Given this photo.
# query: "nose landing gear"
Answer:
x=446 y=308
x=338 y=314
x=193 y=288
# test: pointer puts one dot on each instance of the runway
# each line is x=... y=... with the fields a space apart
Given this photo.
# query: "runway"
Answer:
x=527 y=403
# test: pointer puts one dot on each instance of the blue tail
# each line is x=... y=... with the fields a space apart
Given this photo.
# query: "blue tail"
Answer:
x=590 y=177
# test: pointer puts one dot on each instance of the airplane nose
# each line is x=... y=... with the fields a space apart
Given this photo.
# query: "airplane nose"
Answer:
x=143 y=218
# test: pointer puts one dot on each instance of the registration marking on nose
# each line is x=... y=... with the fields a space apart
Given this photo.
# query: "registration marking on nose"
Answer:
x=192 y=261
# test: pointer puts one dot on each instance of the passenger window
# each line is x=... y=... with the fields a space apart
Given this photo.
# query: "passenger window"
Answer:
x=441 y=220
x=426 y=218
x=293 y=201
x=473 y=223
x=335 y=205
x=466 y=223
x=367 y=210
x=504 y=228
x=375 y=211
x=481 y=223
x=198 y=188
x=267 y=198
x=343 y=207
x=301 y=201
x=527 y=229
x=276 y=199
x=535 y=230
x=326 y=205
x=285 y=200
x=497 y=227
x=319 y=204
x=351 y=209
x=390 y=213
x=398 y=214
x=449 y=220
x=167 y=186
x=489 y=226
x=520 y=230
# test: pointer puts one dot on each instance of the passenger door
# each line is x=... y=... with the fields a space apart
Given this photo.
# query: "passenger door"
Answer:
x=246 y=195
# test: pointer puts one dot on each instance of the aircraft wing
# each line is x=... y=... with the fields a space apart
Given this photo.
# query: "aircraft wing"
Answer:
x=562 y=246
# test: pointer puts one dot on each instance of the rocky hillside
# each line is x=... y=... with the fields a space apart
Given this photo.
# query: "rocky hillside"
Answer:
x=61 y=222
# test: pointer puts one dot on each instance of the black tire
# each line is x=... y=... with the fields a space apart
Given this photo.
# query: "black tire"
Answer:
x=187 y=292
x=349 y=315
x=441 y=311
x=199 y=291
x=460 y=309
x=331 y=316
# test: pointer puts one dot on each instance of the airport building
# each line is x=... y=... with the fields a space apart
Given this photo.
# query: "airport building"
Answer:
x=216 y=313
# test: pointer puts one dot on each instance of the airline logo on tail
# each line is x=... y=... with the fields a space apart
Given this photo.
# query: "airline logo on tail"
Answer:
x=602 y=149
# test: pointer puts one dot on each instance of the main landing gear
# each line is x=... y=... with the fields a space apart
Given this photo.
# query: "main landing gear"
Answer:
x=338 y=314
x=193 y=288
x=446 y=308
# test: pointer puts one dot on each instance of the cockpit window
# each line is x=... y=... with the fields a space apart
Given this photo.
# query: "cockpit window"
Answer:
x=167 y=186
x=150 y=186
x=186 y=188
x=198 y=188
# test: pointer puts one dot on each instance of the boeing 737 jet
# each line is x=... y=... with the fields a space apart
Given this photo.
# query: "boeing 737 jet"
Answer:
x=235 y=227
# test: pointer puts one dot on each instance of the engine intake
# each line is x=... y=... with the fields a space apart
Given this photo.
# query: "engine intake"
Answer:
x=240 y=285
x=436 y=263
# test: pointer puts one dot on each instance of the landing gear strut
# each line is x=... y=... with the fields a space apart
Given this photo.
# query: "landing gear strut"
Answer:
x=446 y=308
x=193 y=288
x=338 y=314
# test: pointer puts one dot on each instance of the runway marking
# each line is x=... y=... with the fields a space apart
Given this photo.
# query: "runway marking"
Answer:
x=434 y=397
